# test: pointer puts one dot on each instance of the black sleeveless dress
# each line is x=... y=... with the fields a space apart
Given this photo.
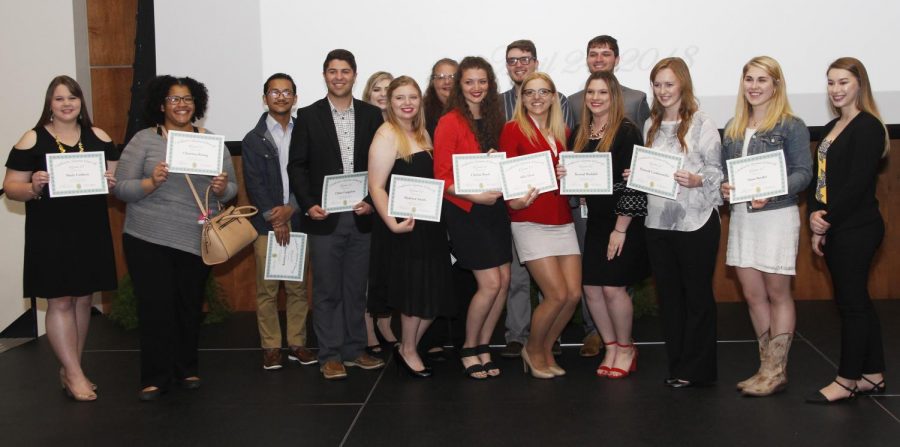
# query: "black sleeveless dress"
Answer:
x=68 y=248
x=411 y=272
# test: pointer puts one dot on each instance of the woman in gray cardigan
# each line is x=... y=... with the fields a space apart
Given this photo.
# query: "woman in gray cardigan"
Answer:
x=162 y=236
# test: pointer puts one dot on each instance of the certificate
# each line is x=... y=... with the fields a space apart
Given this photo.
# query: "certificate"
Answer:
x=416 y=197
x=477 y=173
x=286 y=262
x=653 y=172
x=195 y=153
x=518 y=174
x=341 y=192
x=77 y=174
x=587 y=173
x=757 y=176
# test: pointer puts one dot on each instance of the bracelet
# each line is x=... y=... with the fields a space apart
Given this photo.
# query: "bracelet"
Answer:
x=818 y=234
x=617 y=230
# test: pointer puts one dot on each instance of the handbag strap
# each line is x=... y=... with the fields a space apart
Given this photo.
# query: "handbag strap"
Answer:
x=203 y=210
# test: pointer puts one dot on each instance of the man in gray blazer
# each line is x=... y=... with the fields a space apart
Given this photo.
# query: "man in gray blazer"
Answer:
x=603 y=55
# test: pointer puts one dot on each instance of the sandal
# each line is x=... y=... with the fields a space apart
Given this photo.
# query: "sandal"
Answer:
x=877 y=388
x=475 y=371
x=489 y=366
x=603 y=370
x=821 y=399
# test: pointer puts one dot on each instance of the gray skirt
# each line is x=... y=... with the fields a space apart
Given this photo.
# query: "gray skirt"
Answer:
x=535 y=241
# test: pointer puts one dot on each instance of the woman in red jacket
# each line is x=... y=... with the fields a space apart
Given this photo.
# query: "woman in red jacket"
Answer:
x=477 y=223
x=542 y=224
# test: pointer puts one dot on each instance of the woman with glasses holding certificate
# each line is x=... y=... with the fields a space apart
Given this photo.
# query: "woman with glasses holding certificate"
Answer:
x=410 y=259
x=162 y=234
x=683 y=233
x=764 y=232
x=477 y=223
x=542 y=225
x=615 y=250
x=847 y=226
x=68 y=248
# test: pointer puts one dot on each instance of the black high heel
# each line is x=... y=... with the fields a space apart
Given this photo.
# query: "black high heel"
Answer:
x=401 y=362
x=472 y=371
x=820 y=399
x=877 y=388
x=490 y=367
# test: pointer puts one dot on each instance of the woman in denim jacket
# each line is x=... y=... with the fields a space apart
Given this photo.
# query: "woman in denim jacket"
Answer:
x=764 y=233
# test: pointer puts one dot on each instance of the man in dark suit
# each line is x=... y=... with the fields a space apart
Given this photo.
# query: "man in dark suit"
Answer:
x=332 y=136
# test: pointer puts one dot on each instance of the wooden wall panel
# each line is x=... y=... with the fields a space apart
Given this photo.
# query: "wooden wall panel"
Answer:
x=111 y=31
x=111 y=98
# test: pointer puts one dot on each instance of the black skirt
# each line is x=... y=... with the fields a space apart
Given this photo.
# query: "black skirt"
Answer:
x=480 y=239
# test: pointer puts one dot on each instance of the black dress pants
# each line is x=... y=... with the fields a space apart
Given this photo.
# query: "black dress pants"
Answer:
x=169 y=285
x=683 y=264
x=849 y=255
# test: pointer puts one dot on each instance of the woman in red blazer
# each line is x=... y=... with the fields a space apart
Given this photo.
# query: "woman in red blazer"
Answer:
x=477 y=223
x=542 y=223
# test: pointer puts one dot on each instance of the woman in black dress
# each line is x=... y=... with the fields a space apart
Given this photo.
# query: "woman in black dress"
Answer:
x=615 y=253
x=410 y=260
x=847 y=226
x=68 y=248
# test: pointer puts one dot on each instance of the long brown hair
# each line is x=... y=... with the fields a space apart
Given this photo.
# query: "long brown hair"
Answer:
x=84 y=119
x=555 y=122
x=865 y=101
x=404 y=148
x=616 y=113
x=688 y=101
x=779 y=107
x=434 y=108
x=492 y=114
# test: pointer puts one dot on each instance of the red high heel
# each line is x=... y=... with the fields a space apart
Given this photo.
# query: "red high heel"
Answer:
x=622 y=373
x=603 y=371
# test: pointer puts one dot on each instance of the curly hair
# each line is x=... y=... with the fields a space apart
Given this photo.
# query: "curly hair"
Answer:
x=492 y=114
x=158 y=89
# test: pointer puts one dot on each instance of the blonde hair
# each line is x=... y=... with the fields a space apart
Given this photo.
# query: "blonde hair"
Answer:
x=613 y=122
x=865 y=101
x=376 y=77
x=779 y=108
x=688 y=101
x=420 y=135
x=555 y=122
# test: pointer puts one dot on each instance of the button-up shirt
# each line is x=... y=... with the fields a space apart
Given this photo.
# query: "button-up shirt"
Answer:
x=281 y=138
x=345 y=126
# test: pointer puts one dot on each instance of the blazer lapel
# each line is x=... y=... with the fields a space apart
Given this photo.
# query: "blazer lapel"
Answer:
x=358 y=129
x=327 y=125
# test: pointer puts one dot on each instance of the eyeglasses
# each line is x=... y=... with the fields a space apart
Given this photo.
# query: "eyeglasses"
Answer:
x=541 y=92
x=176 y=99
x=524 y=60
x=286 y=94
x=442 y=76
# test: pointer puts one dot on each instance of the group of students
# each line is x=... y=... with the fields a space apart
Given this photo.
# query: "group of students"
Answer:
x=366 y=265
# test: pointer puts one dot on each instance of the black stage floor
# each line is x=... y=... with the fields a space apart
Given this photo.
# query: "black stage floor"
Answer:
x=240 y=404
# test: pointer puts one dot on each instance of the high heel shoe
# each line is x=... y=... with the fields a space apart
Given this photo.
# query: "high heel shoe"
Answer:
x=401 y=362
x=79 y=397
x=489 y=366
x=603 y=370
x=62 y=381
x=536 y=373
x=556 y=370
x=877 y=388
x=476 y=370
x=620 y=373
x=820 y=399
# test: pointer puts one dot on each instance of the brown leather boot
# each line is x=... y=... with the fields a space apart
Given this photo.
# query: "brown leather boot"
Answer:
x=774 y=370
x=763 y=345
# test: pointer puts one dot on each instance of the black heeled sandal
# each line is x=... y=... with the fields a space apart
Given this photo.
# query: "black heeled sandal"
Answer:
x=820 y=399
x=401 y=363
x=490 y=367
x=472 y=370
x=877 y=388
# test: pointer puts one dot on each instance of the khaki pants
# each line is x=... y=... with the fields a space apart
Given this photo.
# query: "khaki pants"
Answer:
x=296 y=306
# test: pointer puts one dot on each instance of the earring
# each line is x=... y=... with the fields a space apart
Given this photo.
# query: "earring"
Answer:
x=51 y=117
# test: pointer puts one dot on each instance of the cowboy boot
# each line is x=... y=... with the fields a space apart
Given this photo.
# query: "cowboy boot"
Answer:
x=763 y=346
x=774 y=370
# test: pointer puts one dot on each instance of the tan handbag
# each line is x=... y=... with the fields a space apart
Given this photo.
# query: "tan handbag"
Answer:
x=226 y=233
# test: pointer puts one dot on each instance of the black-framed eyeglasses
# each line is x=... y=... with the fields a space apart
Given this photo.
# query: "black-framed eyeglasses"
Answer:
x=274 y=94
x=176 y=99
x=442 y=76
x=524 y=60
x=541 y=92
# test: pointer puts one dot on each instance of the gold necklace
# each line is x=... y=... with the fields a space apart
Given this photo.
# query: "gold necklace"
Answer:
x=62 y=149
x=599 y=133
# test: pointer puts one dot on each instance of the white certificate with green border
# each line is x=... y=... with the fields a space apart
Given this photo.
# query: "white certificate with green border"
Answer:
x=77 y=174
x=587 y=173
x=286 y=262
x=653 y=172
x=341 y=192
x=519 y=174
x=416 y=197
x=477 y=173
x=757 y=176
x=195 y=153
